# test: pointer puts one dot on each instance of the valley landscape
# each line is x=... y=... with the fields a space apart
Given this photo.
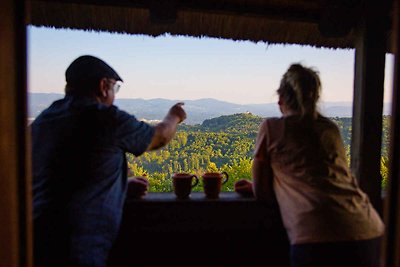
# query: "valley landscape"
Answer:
x=217 y=136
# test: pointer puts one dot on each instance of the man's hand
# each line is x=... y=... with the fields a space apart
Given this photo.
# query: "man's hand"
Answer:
x=137 y=187
x=244 y=188
x=177 y=111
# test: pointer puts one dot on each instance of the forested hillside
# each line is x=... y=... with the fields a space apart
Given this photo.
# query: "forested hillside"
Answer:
x=225 y=143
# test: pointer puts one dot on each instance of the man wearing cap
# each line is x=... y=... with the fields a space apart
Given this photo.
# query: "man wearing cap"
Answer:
x=79 y=166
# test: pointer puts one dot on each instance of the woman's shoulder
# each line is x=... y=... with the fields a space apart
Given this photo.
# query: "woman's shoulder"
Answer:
x=271 y=121
x=320 y=120
x=272 y=126
x=325 y=121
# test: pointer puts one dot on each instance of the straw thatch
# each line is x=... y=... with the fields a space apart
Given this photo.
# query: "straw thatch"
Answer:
x=320 y=23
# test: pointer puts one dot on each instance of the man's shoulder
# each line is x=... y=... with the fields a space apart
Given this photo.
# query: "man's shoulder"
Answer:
x=120 y=115
x=55 y=108
x=119 y=112
x=118 y=118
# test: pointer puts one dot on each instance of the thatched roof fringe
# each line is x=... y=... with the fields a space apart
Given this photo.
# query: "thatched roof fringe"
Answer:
x=272 y=21
x=188 y=22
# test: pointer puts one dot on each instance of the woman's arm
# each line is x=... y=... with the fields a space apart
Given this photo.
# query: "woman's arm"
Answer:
x=262 y=180
x=261 y=167
x=261 y=187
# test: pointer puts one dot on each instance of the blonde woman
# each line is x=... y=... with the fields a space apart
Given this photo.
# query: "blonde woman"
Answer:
x=301 y=159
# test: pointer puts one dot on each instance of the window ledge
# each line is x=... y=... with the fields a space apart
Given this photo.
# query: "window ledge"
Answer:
x=163 y=212
x=161 y=230
x=194 y=197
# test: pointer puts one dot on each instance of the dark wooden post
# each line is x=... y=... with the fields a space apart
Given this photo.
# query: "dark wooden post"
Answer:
x=392 y=204
x=15 y=222
x=368 y=100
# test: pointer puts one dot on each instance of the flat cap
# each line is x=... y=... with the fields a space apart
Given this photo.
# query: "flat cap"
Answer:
x=87 y=68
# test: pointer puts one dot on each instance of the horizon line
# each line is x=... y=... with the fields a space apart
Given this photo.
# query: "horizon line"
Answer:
x=204 y=98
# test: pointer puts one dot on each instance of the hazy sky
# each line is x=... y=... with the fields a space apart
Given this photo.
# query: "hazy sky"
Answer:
x=188 y=68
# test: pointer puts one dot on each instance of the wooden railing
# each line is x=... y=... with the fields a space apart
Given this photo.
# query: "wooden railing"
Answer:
x=160 y=230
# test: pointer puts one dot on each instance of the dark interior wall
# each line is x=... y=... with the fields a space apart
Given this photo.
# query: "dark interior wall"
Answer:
x=15 y=220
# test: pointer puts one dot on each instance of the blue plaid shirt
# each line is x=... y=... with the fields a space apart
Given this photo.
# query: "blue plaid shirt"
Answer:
x=80 y=179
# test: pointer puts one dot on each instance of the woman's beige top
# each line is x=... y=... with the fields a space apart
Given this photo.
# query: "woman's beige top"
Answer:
x=318 y=196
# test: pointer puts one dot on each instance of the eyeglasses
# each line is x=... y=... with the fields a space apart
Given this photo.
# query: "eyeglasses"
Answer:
x=116 y=86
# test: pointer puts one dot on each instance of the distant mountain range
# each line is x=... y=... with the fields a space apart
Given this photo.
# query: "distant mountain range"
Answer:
x=197 y=110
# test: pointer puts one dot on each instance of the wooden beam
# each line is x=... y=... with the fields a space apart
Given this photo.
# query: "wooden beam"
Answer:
x=15 y=222
x=368 y=101
x=392 y=204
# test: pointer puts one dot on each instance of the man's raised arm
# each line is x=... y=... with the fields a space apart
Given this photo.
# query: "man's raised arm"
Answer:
x=166 y=129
